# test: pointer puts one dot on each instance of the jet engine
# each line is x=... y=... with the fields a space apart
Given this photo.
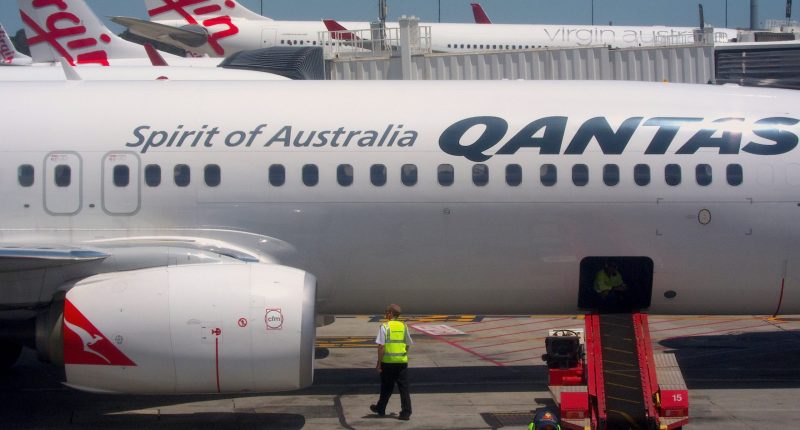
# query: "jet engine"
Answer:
x=206 y=328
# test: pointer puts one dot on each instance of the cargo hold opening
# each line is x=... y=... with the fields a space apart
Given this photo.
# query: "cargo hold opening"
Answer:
x=636 y=273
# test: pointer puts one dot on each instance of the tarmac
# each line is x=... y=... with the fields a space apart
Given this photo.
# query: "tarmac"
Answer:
x=468 y=372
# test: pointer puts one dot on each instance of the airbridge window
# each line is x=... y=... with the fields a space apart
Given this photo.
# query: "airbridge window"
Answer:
x=445 y=174
x=212 y=175
x=548 y=174
x=703 y=174
x=513 y=175
x=734 y=174
x=344 y=175
x=310 y=175
x=408 y=175
x=152 y=175
x=122 y=176
x=277 y=175
x=377 y=175
x=182 y=175
x=62 y=175
x=25 y=175
x=480 y=175
x=672 y=174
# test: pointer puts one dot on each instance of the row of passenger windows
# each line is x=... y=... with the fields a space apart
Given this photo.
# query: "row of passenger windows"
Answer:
x=487 y=46
x=378 y=175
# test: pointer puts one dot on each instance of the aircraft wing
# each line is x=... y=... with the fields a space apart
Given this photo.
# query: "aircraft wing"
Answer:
x=15 y=258
x=192 y=41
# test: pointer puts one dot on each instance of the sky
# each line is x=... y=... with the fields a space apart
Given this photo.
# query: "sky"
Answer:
x=619 y=12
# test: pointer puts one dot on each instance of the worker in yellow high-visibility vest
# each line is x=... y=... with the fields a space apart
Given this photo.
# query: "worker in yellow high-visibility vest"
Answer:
x=393 y=342
x=610 y=287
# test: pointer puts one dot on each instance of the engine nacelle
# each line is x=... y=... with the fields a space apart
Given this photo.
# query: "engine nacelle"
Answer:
x=212 y=328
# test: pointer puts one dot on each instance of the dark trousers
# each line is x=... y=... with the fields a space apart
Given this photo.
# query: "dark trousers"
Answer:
x=395 y=373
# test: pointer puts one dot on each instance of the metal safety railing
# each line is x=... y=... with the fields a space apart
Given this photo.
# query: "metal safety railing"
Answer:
x=695 y=38
x=786 y=25
x=375 y=42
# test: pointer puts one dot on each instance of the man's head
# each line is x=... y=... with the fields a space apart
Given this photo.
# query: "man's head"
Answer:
x=610 y=267
x=392 y=311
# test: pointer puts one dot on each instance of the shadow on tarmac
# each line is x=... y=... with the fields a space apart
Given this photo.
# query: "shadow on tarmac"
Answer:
x=738 y=361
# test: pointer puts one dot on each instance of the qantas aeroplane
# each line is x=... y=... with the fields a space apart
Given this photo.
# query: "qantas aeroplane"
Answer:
x=231 y=27
x=9 y=56
x=185 y=246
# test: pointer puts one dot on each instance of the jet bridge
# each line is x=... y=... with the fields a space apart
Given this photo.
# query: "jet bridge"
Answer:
x=606 y=377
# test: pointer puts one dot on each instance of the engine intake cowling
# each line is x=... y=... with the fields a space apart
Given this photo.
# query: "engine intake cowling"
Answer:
x=212 y=328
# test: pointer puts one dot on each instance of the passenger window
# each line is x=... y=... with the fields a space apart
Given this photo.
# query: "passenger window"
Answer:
x=445 y=174
x=672 y=174
x=580 y=174
x=377 y=174
x=408 y=175
x=548 y=174
x=310 y=175
x=183 y=175
x=152 y=175
x=735 y=174
x=344 y=175
x=611 y=174
x=277 y=175
x=513 y=175
x=122 y=176
x=480 y=174
x=703 y=174
x=641 y=174
x=25 y=175
x=63 y=175
x=213 y=175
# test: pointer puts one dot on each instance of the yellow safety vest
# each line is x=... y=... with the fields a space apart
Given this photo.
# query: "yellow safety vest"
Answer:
x=394 y=348
x=604 y=283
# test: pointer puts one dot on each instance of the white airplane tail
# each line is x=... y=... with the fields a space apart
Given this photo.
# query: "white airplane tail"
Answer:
x=9 y=56
x=195 y=12
x=69 y=29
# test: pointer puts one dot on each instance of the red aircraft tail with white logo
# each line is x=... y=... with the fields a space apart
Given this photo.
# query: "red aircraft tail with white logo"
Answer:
x=479 y=14
x=68 y=29
x=194 y=12
x=9 y=56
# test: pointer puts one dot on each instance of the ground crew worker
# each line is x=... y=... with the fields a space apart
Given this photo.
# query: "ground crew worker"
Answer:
x=608 y=284
x=543 y=419
x=393 y=342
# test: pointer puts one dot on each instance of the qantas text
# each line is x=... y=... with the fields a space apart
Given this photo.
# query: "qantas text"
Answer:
x=393 y=135
x=770 y=136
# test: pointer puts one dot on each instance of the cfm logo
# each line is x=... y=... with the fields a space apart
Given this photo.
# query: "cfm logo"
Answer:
x=64 y=33
x=274 y=319
x=208 y=13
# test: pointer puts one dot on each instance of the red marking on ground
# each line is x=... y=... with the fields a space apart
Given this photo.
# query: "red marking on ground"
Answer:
x=501 y=344
x=467 y=350
x=484 y=321
x=521 y=350
x=666 y=320
x=517 y=325
x=698 y=325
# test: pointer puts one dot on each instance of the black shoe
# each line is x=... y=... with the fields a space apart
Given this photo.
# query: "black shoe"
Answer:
x=374 y=408
x=404 y=417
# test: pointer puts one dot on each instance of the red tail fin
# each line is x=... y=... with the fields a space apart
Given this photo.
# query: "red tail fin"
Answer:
x=338 y=32
x=154 y=56
x=479 y=14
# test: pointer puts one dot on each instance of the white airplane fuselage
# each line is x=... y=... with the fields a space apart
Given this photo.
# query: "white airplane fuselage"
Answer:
x=471 y=247
x=243 y=34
